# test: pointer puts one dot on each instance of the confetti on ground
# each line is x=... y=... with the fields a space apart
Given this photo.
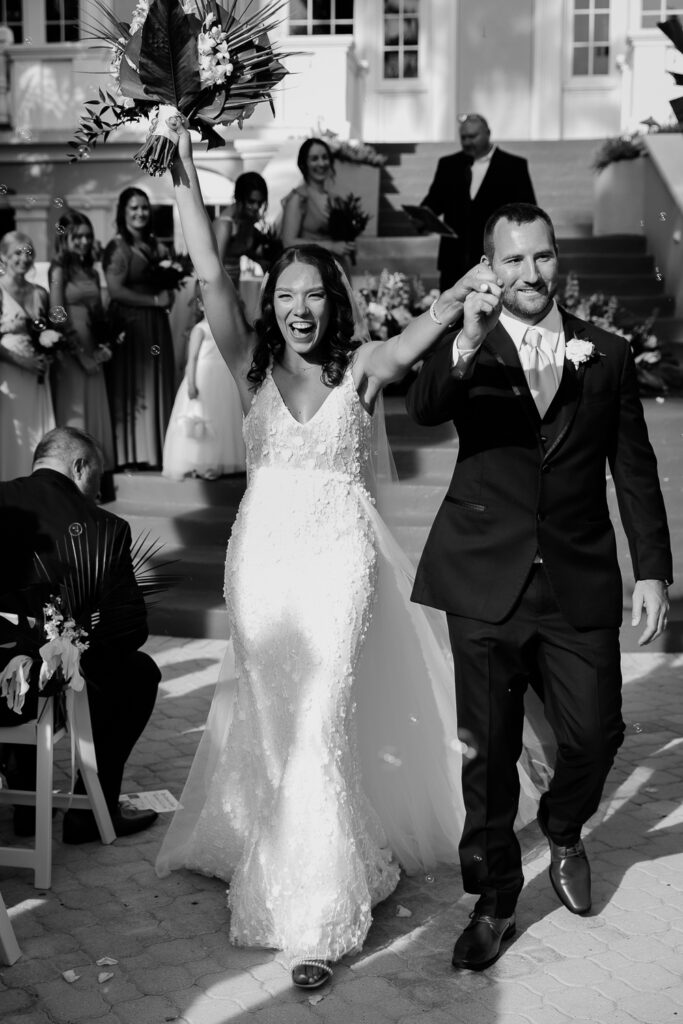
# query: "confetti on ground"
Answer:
x=314 y=1000
x=104 y=976
x=70 y=976
x=403 y=911
x=106 y=961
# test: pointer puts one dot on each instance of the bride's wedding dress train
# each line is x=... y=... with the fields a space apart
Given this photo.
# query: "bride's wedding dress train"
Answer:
x=331 y=754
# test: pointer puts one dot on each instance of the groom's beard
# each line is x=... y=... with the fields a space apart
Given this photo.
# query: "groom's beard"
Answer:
x=531 y=306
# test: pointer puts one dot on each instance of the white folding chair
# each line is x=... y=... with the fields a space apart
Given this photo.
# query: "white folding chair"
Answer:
x=40 y=732
x=9 y=947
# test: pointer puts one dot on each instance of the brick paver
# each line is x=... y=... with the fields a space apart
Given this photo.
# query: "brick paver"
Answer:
x=621 y=965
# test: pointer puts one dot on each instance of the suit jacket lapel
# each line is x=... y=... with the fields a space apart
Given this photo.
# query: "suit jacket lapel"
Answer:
x=504 y=351
x=565 y=403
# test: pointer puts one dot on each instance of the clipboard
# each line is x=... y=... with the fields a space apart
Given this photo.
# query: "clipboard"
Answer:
x=426 y=220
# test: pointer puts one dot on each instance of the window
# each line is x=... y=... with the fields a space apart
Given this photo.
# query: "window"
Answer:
x=401 y=34
x=11 y=13
x=321 y=17
x=659 y=10
x=590 y=48
x=62 y=21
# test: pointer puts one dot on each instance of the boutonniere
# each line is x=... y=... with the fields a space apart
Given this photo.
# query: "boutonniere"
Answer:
x=578 y=352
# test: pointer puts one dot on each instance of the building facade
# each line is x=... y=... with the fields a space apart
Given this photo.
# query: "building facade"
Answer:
x=381 y=70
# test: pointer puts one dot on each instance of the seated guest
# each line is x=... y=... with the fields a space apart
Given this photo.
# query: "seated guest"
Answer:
x=42 y=517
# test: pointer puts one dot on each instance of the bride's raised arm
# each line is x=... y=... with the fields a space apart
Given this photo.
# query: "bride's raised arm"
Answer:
x=222 y=305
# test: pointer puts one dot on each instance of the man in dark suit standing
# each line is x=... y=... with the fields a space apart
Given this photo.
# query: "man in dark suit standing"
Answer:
x=468 y=187
x=522 y=556
x=49 y=516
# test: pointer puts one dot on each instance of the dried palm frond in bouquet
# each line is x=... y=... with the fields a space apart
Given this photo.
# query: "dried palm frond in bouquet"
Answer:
x=190 y=57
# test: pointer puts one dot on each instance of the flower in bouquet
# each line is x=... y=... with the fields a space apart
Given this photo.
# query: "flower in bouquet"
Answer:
x=52 y=648
x=347 y=219
x=169 y=274
x=196 y=59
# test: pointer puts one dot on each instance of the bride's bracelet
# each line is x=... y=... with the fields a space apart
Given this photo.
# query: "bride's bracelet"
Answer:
x=434 y=318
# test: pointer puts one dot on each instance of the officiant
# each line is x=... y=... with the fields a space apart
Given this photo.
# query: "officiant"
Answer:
x=43 y=516
x=467 y=188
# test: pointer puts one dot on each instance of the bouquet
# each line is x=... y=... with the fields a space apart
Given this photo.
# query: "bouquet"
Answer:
x=347 y=219
x=267 y=244
x=169 y=274
x=389 y=302
x=189 y=57
x=23 y=337
x=53 y=647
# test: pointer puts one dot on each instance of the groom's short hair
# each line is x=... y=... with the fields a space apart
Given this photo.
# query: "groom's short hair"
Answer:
x=516 y=213
x=66 y=444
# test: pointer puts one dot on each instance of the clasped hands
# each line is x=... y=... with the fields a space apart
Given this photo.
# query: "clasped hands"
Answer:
x=478 y=296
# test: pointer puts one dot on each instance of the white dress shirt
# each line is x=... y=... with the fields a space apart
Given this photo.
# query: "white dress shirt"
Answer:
x=550 y=328
x=479 y=168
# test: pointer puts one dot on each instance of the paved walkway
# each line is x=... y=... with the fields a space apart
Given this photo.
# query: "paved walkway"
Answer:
x=169 y=938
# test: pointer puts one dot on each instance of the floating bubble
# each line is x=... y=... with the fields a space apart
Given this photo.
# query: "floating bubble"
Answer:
x=658 y=274
x=3 y=190
x=662 y=214
x=24 y=133
x=58 y=315
x=390 y=757
x=31 y=200
x=465 y=744
x=477 y=858
x=60 y=229
x=637 y=727
x=59 y=203
x=76 y=529
x=659 y=400
x=83 y=152
x=39 y=324
x=155 y=350
x=429 y=879
x=28 y=41
x=414 y=719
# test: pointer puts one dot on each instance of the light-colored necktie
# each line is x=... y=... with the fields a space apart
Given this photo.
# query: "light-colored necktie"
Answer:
x=540 y=370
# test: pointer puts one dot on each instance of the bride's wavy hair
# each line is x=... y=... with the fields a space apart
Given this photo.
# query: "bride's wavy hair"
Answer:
x=338 y=342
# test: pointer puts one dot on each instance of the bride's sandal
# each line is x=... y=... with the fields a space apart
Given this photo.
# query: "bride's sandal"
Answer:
x=304 y=977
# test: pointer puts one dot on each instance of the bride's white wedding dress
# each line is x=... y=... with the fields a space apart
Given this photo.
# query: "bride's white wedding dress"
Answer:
x=331 y=753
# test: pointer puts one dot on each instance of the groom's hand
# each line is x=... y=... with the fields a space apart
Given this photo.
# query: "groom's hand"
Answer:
x=480 y=314
x=652 y=596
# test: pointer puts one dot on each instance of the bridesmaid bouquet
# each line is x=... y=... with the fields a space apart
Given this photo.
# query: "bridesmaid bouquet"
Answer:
x=347 y=219
x=189 y=57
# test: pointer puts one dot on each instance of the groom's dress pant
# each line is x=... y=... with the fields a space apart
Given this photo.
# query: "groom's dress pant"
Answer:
x=580 y=676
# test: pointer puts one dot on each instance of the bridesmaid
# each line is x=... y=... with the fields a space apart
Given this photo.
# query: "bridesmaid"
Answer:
x=307 y=208
x=78 y=386
x=236 y=231
x=141 y=373
x=25 y=403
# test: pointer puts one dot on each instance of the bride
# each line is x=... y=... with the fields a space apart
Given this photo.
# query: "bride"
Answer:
x=331 y=753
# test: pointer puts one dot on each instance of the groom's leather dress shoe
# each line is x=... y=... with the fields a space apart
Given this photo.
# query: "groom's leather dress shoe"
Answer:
x=81 y=827
x=570 y=873
x=479 y=945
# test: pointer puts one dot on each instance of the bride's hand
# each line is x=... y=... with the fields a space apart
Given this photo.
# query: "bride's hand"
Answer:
x=179 y=126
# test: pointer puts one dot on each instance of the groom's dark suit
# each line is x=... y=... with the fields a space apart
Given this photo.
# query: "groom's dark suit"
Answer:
x=525 y=487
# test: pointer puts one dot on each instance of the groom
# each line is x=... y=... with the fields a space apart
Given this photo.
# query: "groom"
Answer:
x=522 y=556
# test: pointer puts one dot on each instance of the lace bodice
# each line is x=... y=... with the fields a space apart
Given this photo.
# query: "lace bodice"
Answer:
x=338 y=439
